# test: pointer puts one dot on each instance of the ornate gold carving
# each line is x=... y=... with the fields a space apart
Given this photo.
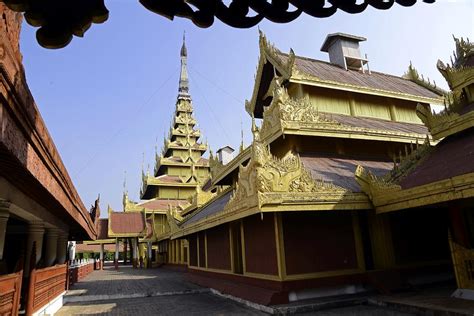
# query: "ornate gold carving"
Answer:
x=374 y=186
x=412 y=74
x=214 y=164
x=285 y=109
x=463 y=264
x=269 y=53
x=184 y=106
x=171 y=216
x=268 y=174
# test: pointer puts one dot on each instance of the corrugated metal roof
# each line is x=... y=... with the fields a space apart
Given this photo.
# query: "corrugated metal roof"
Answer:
x=213 y=208
x=340 y=170
x=375 y=80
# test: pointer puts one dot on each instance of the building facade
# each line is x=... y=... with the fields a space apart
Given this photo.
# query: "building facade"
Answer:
x=291 y=219
x=40 y=209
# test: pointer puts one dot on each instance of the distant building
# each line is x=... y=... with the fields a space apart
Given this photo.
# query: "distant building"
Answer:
x=179 y=173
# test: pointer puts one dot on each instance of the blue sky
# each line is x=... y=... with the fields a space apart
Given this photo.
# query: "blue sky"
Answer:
x=108 y=98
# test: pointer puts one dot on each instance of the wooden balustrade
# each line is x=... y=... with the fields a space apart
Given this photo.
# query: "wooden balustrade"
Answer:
x=78 y=272
x=45 y=285
x=10 y=291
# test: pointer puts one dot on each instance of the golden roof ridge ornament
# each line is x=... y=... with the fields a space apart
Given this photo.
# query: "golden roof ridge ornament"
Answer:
x=413 y=75
x=266 y=174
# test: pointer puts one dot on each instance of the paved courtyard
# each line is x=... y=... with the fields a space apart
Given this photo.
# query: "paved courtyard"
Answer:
x=166 y=292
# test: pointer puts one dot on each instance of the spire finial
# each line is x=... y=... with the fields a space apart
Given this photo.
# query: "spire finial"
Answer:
x=183 y=77
x=184 y=52
x=125 y=181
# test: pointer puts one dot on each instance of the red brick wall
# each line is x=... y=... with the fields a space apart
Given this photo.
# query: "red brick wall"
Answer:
x=318 y=241
x=218 y=247
x=260 y=246
x=202 y=250
x=193 y=261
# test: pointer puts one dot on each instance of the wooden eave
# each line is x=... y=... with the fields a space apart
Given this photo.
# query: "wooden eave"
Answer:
x=150 y=181
x=456 y=124
x=279 y=202
x=455 y=188
x=230 y=167
x=100 y=241
x=63 y=198
x=347 y=132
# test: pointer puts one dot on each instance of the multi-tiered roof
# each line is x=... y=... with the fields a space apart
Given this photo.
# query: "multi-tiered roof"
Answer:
x=180 y=168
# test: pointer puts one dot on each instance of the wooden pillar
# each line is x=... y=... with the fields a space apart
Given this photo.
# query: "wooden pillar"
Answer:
x=51 y=251
x=149 y=254
x=382 y=244
x=35 y=235
x=101 y=256
x=125 y=251
x=4 y=214
x=116 y=253
x=62 y=247
x=134 y=252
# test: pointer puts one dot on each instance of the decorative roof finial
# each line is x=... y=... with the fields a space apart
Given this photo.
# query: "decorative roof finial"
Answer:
x=183 y=77
x=184 y=51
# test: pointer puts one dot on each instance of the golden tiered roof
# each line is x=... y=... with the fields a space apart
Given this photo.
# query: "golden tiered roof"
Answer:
x=179 y=168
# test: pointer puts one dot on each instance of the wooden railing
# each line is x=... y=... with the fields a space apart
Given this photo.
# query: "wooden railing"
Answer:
x=78 y=270
x=10 y=289
x=45 y=285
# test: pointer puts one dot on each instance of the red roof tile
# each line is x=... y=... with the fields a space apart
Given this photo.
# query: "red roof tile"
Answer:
x=127 y=222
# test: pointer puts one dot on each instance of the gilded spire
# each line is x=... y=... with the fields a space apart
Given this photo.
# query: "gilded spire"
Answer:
x=183 y=77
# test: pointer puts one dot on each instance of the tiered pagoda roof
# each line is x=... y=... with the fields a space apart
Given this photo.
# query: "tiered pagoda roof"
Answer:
x=179 y=168
x=428 y=175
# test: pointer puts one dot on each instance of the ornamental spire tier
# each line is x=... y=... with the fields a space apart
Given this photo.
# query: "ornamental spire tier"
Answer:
x=183 y=91
x=179 y=168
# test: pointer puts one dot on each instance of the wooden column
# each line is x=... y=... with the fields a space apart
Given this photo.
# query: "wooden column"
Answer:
x=4 y=214
x=62 y=247
x=35 y=235
x=125 y=251
x=149 y=254
x=51 y=251
x=116 y=253
x=101 y=256
x=134 y=252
